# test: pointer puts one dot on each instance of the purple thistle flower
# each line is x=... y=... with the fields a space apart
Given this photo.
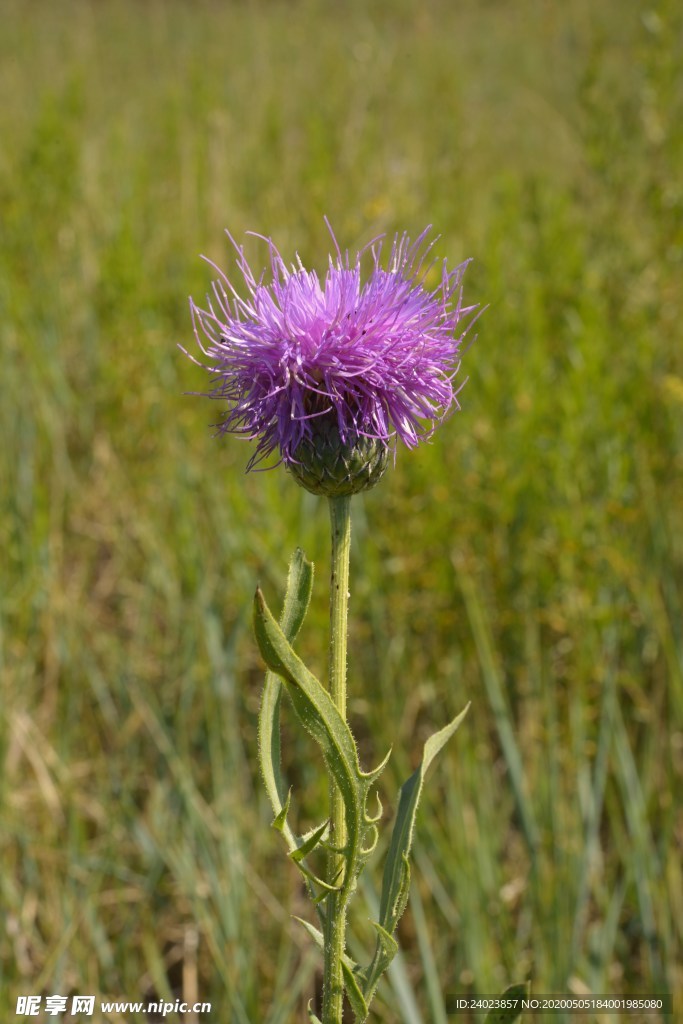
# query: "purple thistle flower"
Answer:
x=380 y=357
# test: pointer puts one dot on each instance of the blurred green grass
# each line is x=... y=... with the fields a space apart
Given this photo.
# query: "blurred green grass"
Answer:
x=527 y=560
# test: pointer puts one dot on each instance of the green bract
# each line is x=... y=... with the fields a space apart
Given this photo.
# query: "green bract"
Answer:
x=327 y=465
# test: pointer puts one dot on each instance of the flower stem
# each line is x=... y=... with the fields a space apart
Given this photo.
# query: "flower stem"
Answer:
x=335 y=915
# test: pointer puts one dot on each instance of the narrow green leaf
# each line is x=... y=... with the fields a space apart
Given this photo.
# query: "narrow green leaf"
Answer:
x=396 y=877
x=356 y=998
x=372 y=819
x=310 y=876
x=395 y=869
x=387 y=942
x=309 y=844
x=374 y=837
x=402 y=892
x=385 y=951
x=376 y=772
x=280 y=819
x=311 y=1016
x=317 y=713
x=314 y=932
x=297 y=598
x=297 y=595
x=312 y=702
x=514 y=994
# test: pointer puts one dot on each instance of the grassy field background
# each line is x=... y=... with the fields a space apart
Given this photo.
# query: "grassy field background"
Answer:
x=527 y=560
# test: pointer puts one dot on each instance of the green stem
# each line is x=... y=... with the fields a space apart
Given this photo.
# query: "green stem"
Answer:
x=335 y=913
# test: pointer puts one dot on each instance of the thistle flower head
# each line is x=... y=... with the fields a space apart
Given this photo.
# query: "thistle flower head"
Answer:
x=297 y=357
